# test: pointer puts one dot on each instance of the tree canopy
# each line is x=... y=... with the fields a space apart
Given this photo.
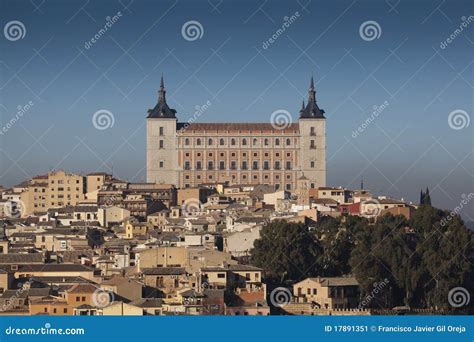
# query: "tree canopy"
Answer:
x=420 y=258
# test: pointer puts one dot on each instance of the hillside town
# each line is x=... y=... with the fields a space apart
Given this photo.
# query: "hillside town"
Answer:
x=96 y=245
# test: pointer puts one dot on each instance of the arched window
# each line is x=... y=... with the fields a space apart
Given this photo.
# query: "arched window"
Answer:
x=221 y=142
x=255 y=142
x=265 y=142
x=186 y=142
x=198 y=142
x=288 y=142
x=244 y=142
x=277 y=142
x=209 y=142
x=232 y=142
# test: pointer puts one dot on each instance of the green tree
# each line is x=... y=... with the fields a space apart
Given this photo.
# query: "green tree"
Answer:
x=286 y=250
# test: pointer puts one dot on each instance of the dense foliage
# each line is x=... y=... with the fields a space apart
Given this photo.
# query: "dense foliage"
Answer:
x=419 y=259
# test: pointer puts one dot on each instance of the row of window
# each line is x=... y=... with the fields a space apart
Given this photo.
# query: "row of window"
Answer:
x=233 y=165
x=244 y=142
x=62 y=181
x=62 y=189
x=244 y=154
x=233 y=142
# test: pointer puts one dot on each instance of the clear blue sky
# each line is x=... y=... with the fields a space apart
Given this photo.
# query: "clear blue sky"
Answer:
x=409 y=145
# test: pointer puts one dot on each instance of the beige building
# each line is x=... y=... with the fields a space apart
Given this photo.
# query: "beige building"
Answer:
x=188 y=155
x=94 y=182
x=108 y=216
x=328 y=293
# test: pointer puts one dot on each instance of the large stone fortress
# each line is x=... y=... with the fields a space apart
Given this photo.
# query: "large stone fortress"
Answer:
x=188 y=155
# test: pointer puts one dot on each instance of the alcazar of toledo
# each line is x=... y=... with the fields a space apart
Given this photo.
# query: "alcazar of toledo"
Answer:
x=188 y=155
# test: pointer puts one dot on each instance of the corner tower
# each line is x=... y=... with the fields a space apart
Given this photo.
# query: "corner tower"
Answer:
x=161 y=142
x=312 y=126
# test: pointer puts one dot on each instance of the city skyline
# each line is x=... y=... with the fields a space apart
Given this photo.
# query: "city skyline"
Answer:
x=409 y=145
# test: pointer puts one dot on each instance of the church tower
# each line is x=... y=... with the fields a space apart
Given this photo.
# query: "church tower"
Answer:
x=161 y=144
x=312 y=126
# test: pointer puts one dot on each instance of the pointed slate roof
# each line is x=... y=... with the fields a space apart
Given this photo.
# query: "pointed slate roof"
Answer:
x=162 y=110
x=311 y=111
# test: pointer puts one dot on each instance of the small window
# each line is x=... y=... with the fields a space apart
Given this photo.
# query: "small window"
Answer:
x=244 y=142
x=162 y=163
x=288 y=142
x=255 y=142
x=232 y=142
x=186 y=142
x=209 y=142
x=198 y=142
x=162 y=143
x=161 y=131
x=277 y=142
x=221 y=142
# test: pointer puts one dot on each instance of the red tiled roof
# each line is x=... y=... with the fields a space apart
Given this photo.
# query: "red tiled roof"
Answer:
x=294 y=127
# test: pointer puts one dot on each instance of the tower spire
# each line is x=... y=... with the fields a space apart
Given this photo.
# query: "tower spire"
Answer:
x=162 y=110
x=162 y=91
x=311 y=92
